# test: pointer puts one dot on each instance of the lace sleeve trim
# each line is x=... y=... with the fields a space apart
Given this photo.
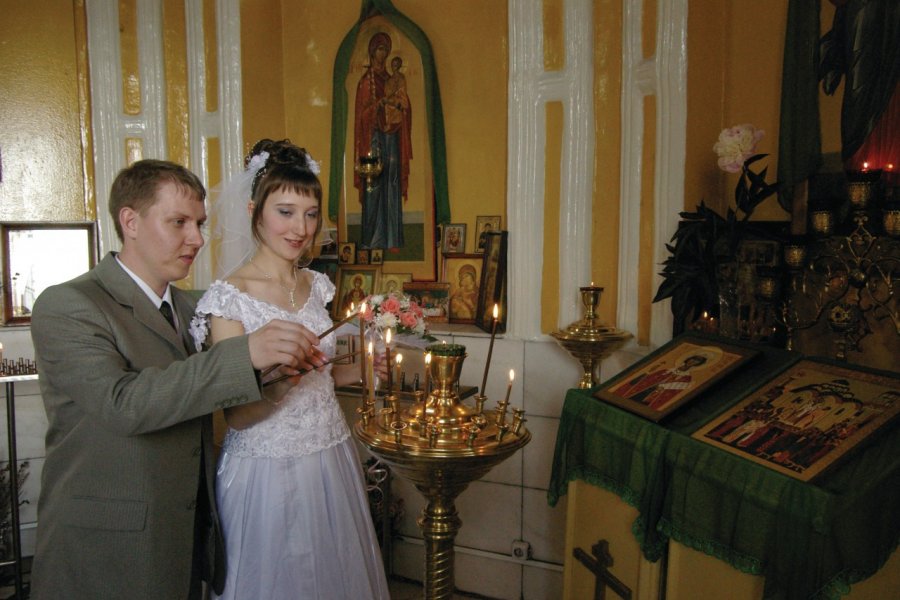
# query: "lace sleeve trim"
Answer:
x=220 y=300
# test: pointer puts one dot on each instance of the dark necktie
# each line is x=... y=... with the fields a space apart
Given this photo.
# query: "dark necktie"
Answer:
x=166 y=311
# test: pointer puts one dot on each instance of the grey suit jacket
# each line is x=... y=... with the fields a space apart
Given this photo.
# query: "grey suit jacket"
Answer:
x=128 y=411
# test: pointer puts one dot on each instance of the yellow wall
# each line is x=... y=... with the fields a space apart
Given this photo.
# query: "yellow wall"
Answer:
x=469 y=41
x=40 y=123
x=735 y=51
x=288 y=49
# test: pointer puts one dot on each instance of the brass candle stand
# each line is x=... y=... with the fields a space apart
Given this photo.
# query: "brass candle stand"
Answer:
x=440 y=445
x=369 y=167
x=588 y=340
x=849 y=280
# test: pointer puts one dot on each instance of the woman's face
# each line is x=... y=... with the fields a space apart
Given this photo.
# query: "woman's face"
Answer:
x=287 y=223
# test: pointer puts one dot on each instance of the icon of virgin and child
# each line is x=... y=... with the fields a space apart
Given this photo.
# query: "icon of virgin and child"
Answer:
x=382 y=126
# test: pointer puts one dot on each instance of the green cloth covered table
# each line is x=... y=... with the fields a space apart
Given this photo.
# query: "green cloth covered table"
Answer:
x=807 y=540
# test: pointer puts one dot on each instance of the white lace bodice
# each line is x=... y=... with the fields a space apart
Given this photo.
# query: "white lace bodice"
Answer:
x=309 y=419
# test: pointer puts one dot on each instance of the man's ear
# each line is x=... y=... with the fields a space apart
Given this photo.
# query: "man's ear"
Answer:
x=128 y=219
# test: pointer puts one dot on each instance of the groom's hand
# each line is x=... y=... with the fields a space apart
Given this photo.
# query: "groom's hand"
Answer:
x=285 y=343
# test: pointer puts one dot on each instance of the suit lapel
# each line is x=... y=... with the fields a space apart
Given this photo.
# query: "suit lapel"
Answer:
x=127 y=293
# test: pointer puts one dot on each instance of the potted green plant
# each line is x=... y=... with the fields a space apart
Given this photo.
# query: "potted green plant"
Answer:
x=703 y=249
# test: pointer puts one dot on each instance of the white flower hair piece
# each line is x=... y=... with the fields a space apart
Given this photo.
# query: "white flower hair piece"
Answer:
x=313 y=165
x=258 y=161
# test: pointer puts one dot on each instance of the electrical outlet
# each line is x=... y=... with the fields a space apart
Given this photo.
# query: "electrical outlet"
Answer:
x=521 y=549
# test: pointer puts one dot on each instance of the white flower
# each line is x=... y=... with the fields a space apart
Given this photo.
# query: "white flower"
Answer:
x=737 y=144
x=386 y=320
x=258 y=161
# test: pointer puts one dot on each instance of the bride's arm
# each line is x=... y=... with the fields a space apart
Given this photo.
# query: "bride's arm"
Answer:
x=245 y=415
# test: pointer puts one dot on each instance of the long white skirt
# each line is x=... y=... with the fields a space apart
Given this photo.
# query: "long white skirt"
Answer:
x=299 y=528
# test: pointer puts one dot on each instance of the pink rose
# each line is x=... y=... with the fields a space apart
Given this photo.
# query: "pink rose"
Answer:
x=408 y=319
x=391 y=305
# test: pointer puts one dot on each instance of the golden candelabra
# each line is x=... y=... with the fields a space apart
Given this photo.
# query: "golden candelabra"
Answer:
x=589 y=340
x=440 y=445
x=369 y=167
x=849 y=280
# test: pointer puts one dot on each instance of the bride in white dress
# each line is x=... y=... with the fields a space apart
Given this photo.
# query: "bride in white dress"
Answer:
x=289 y=485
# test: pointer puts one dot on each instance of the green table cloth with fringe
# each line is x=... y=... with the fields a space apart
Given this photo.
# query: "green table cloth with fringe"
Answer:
x=808 y=540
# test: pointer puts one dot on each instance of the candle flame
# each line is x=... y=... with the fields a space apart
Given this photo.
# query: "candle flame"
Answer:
x=592 y=284
x=399 y=359
x=705 y=315
x=890 y=166
x=428 y=358
x=496 y=311
x=362 y=307
x=512 y=375
x=371 y=348
x=387 y=337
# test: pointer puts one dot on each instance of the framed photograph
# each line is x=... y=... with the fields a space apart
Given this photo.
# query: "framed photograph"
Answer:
x=393 y=282
x=484 y=226
x=347 y=255
x=432 y=296
x=329 y=243
x=354 y=285
x=453 y=238
x=376 y=256
x=492 y=289
x=673 y=375
x=807 y=418
x=38 y=255
x=463 y=273
x=362 y=256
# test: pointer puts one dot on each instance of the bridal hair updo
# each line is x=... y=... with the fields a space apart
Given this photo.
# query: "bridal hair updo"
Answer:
x=290 y=168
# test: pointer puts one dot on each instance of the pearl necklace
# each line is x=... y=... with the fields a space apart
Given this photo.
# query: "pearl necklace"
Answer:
x=287 y=290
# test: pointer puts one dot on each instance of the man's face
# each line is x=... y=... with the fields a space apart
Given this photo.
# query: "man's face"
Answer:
x=161 y=244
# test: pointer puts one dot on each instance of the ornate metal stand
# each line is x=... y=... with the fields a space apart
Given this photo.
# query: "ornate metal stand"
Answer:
x=588 y=340
x=849 y=280
x=440 y=445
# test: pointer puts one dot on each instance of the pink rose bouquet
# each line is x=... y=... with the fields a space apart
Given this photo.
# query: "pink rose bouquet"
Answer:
x=399 y=313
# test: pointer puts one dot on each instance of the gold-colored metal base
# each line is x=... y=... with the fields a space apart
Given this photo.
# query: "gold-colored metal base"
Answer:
x=590 y=341
x=441 y=445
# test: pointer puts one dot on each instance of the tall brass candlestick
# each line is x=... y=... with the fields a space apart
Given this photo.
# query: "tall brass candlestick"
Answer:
x=362 y=343
x=427 y=373
x=370 y=362
x=487 y=364
x=387 y=355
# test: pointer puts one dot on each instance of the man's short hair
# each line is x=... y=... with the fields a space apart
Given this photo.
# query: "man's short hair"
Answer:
x=135 y=186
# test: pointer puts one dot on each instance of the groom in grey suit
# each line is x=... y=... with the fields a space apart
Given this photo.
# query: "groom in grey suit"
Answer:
x=127 y=506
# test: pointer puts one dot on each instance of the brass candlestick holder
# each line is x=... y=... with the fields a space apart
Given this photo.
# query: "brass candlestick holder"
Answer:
x=588 y=340
x=369 y=167
x=441 y=445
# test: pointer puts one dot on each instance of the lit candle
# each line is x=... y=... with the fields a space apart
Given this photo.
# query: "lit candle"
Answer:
x=362 y=341
x=427 y=373
x=512 y=375
x=387 y=356
x=487 y=363
x=399 y=360
x=370 y=362
x=865 y=166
